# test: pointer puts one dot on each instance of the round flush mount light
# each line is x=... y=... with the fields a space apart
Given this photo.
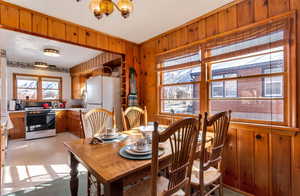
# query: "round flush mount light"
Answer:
x=51 y=52
x=40 y=64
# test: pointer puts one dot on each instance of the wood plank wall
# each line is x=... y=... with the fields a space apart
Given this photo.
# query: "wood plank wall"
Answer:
x=259 y=160
x=94 y=63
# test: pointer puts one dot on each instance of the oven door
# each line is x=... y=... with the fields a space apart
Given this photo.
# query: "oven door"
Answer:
x=40 y=120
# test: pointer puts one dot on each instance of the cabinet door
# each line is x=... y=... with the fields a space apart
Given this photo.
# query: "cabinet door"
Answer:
x=261 y=166
x=61 y=118
x=10 y=16
x=72 y=33
x=39 y=24
x=81 y=36
x=91 y=38
x=56 y=29
x=76 y=87
x=25 y=20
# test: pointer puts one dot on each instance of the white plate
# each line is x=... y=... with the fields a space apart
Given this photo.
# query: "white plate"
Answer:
x=110 y=137
x=129 y=150
x=150 y=128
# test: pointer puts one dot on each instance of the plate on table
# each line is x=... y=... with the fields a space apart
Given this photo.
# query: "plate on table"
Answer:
x=126 y=155
x=110 y=137
x=131 y=149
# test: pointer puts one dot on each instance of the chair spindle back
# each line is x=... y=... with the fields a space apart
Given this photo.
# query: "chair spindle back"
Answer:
x=134 y=117
x=182 y=136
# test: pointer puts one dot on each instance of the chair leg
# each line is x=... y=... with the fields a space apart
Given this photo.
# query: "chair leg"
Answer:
x=88 y=184
x=221 y=187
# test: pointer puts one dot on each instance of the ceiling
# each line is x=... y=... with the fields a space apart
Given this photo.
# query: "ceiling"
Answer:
x=149 y=17
x=28 y=49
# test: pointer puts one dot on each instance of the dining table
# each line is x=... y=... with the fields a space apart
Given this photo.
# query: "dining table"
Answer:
x=107 y=166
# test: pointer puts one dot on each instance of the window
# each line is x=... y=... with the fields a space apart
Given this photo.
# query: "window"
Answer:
x=37 y=88
x=180 y=84
x=249 y=83
x=224 y=88
x=26 y=86
x=273 y=86
x=245 y=72
x=50 y=88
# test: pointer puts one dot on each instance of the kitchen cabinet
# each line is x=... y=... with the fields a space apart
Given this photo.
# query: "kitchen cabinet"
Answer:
x=56 y=29
x=78 y=85
x=72 y=33
x=39 y=24
x=18 y=120
x=25 y=20
x=74 y=123
x=10 y=16
x=2 y=151
x=61 y=118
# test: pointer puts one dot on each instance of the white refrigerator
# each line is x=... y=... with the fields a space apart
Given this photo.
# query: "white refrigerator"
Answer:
x=104 y=92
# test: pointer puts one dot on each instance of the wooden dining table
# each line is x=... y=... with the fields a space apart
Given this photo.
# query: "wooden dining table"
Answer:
x=107 y=166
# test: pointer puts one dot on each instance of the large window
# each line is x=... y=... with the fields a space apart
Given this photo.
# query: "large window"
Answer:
x=247 y=73
x=249 y=80
x=37 y=88
x=180 y=84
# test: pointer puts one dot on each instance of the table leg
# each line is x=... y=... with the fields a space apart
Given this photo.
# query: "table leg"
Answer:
x=74 y=178
x=114 y=188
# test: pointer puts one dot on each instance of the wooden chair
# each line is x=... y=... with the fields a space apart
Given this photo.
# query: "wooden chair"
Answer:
x=96 y=121
x=206 y=173
x=182 y=136
x=134 y=117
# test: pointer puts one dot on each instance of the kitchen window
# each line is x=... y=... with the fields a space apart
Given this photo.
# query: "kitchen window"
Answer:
x=37 y=88
x=26 y=86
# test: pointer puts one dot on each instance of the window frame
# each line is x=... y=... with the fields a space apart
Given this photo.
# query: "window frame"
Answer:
x=284 y=74
x=39 y=88
x=160 y=85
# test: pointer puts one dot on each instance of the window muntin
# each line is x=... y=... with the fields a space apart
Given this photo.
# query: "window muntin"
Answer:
x=26 y=87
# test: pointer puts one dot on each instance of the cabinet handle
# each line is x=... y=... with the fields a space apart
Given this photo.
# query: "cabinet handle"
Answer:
x=258 y=136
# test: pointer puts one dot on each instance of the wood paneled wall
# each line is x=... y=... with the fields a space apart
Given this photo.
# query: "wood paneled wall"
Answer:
x=259 y=160
x=94 y=63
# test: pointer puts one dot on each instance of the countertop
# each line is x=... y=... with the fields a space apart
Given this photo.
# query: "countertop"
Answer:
x=55 y=109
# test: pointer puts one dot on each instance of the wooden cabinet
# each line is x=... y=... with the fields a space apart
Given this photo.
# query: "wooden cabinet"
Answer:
x=61 y=119
x=81 y=36
x=39 y=24
x=18 y=120
x=72 y=33
x=74 y=123
x=91 y=38
x=56 y=29
x=78 y=84
x=25 y=20
x=10 y=16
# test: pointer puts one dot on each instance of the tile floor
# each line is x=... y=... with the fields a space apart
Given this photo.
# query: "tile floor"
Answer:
x=41 y=162
x=29 y=163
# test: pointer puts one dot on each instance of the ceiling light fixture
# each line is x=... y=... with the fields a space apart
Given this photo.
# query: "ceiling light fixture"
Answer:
x=51 y=52
x=40 y=64
x=100 y=7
